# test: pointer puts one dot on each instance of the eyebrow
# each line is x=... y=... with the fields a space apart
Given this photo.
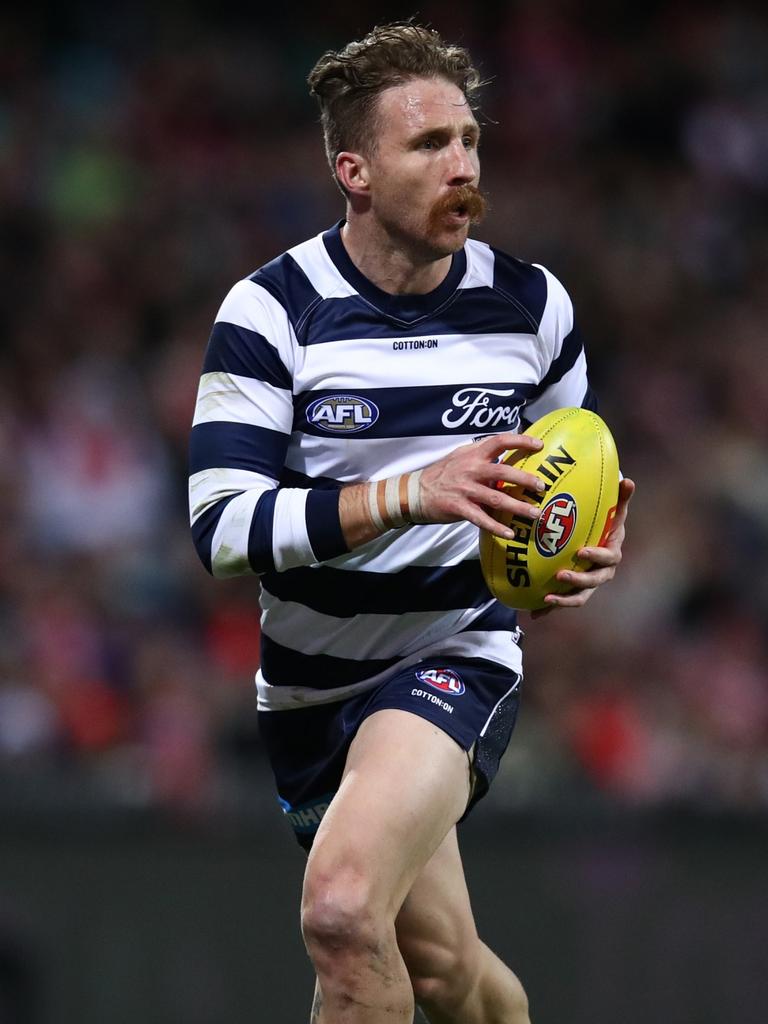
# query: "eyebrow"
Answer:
x=469 y=128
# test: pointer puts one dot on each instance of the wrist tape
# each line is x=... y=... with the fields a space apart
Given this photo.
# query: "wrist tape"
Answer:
x=396 y=501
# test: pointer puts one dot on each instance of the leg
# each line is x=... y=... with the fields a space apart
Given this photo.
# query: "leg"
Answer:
x=455 y=977
x=405 y=785
x=317 y=1003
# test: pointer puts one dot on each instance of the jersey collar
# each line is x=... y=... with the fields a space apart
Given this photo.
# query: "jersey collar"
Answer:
x=407 y=308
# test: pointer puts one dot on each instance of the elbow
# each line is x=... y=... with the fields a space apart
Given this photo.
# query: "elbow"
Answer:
x=227 y=564
x=232 y=538
x=202 y=546
x=224 y=562
x=218 y=557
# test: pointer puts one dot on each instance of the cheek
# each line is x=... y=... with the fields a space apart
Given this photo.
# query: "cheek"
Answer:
x=405 y=194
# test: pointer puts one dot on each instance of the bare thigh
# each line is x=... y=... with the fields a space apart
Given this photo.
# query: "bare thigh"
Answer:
x=405 y=785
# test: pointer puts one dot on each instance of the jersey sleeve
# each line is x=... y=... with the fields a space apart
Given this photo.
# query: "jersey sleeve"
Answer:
x=564 y=381
x=242 y=520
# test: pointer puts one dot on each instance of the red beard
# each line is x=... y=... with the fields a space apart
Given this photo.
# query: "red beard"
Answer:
x=461 y=199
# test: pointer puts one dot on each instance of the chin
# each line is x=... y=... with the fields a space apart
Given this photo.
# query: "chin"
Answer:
x=448 y=242
x=433 y=244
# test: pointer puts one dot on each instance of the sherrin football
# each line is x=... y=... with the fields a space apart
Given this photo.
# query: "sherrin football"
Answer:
x=580 y=467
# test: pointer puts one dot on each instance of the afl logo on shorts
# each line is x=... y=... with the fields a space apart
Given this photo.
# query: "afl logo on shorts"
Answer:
x=555 y=525
x=342 y=414
x=443 y=679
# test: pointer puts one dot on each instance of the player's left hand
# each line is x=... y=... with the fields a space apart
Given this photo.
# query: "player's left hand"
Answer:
x=604 y=562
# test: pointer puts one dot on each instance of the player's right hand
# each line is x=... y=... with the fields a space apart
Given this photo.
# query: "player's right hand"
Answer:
x=463 y=484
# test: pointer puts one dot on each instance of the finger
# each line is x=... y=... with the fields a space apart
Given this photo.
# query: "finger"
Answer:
x=480 y=518
x=504 y=473
x=615 y=538
x=576 y=600
x=626 y=490
x=601 y=556
x=516 y=454
x=500 y=502
x=586 y=580
x=494 y=446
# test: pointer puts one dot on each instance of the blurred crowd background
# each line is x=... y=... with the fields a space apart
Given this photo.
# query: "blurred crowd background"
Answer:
x=151 y=156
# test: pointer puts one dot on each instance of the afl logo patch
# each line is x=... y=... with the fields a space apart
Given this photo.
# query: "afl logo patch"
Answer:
x=443 y=679
x=342 y=414
x=555 y=525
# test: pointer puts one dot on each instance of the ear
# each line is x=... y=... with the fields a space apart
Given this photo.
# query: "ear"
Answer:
x=353 y=173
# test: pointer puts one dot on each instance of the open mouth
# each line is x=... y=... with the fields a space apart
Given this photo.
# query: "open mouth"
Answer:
x=461 y=206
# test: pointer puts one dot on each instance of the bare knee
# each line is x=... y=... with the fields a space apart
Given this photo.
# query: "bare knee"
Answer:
x=339 y=920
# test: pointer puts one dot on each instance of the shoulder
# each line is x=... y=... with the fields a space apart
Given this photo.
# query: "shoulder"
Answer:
x=275 y=296
x=297 y=282
x=287 y=281
x=259 y=314
x=532 y=288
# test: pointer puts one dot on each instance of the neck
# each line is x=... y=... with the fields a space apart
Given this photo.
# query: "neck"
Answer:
x=387 y=262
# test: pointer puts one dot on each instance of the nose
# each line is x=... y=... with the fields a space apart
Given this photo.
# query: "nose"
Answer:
x=463 y=169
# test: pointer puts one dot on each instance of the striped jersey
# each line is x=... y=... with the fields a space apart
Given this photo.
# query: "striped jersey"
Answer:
x=315 y=378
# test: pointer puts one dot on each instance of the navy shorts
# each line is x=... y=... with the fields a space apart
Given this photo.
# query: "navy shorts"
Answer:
x=473 y=700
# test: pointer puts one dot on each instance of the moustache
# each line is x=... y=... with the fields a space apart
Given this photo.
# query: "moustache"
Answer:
x=461 y=199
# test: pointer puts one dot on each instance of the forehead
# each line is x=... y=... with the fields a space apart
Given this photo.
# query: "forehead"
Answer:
x=423 y=103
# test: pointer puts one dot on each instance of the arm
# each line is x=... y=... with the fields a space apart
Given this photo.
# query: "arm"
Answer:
x=566 y=384
x=243 y=521
x=460 y=486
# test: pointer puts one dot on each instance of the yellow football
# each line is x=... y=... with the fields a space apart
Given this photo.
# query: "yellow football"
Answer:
x=580 y=467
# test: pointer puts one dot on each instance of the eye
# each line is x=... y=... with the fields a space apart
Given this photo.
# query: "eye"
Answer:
x=429 y=144
x=469 y=141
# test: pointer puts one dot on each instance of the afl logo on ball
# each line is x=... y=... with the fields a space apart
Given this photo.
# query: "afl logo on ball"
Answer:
x=342 y=414
x=555 y=525
x=443 y=679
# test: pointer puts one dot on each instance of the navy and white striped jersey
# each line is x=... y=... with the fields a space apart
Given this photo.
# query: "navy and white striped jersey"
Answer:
x=315 y=378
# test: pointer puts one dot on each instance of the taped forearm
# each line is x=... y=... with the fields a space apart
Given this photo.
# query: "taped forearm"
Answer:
x=368 y=510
